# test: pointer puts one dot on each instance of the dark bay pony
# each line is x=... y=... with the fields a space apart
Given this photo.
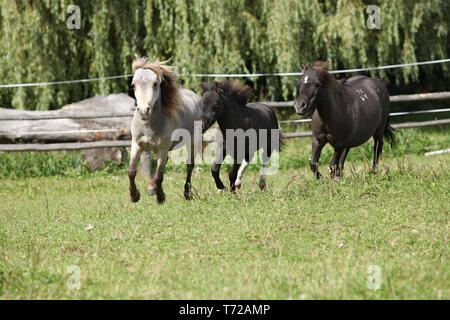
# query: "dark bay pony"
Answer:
x=346 y=113
x=254 y=126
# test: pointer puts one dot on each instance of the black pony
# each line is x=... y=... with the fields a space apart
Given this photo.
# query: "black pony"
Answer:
x=248 y=126
x=346 y=113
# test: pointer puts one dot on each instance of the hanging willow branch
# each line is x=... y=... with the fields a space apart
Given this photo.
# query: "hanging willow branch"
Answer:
x=212 y=36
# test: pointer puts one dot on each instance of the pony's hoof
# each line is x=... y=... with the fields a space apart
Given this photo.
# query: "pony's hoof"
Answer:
x=332 y=173
x=262 y=186
x=151 y=192
x=238 y=187
x=187 y=191
x=161 y=198
x=135 y=196
x=221 y=186
x=220 y=190
x=187 y=196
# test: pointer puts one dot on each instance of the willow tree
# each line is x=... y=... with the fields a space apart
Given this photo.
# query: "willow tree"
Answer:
x=212 y=36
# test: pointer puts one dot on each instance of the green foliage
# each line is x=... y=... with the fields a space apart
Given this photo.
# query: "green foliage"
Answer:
x=211 y=37
x=45 y=164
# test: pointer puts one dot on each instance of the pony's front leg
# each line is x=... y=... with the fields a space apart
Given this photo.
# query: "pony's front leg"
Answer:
x=242 y=168
x=316 y=150
x=135 y=153
x=215 y=169
x=156 y=183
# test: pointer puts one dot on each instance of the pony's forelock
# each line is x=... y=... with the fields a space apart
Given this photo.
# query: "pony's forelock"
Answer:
x=322 y=68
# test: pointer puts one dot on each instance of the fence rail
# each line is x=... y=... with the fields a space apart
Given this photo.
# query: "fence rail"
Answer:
x=14 y=115
x=127 y=143
x=50 y=115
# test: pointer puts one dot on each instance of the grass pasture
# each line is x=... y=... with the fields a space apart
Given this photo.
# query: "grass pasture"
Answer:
x=299 y=239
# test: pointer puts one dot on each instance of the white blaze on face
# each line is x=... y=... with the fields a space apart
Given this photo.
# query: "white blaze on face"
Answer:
x=306 y=80
x=146 y=92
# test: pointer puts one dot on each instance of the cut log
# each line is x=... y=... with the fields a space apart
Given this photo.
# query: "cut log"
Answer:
x=99 y=157
x=83 y=124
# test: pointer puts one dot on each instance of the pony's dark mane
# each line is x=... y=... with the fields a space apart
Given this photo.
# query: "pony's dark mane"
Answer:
x=322 y=68
x=170 y=93
x=240 y=92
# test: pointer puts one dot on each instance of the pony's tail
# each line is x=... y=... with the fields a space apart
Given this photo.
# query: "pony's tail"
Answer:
x=389 y=132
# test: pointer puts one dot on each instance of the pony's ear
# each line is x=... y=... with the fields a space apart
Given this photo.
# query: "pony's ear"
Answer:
x=203 y=86
x=302 y=66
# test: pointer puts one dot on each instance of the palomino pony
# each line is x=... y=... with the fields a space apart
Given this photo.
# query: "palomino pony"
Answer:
x=346 y=114
x=162 y=107
x=226 y=103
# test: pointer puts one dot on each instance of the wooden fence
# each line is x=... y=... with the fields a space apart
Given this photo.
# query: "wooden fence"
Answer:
x=31 y=115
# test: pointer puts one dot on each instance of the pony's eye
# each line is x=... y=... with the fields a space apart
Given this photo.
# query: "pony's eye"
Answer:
x=155 y=84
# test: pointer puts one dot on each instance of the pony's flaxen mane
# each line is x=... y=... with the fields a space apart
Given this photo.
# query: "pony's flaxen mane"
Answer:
x=236 y=90
x=170 y=94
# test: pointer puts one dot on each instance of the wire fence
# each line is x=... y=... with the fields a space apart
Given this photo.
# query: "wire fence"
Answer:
x=236 y=75
x=27 y=116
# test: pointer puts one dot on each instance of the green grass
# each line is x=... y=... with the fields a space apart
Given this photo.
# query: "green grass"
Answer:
x=296 y=154
x=301 y=238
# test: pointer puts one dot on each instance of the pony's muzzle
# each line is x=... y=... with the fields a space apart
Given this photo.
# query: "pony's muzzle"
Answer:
x=144 y=112
x=301 y=107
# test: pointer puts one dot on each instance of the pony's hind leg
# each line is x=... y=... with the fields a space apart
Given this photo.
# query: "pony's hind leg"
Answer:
x=135 y=153
x=377 y=150
x=189 y=167
x=316 y=150
x=262 y=177
x=242 y=168
x=215 y=171
x=334 y=164
x=187 y=185
x=342 y=158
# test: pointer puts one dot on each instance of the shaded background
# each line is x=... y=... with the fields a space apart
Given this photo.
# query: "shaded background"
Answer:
x=214 y=37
